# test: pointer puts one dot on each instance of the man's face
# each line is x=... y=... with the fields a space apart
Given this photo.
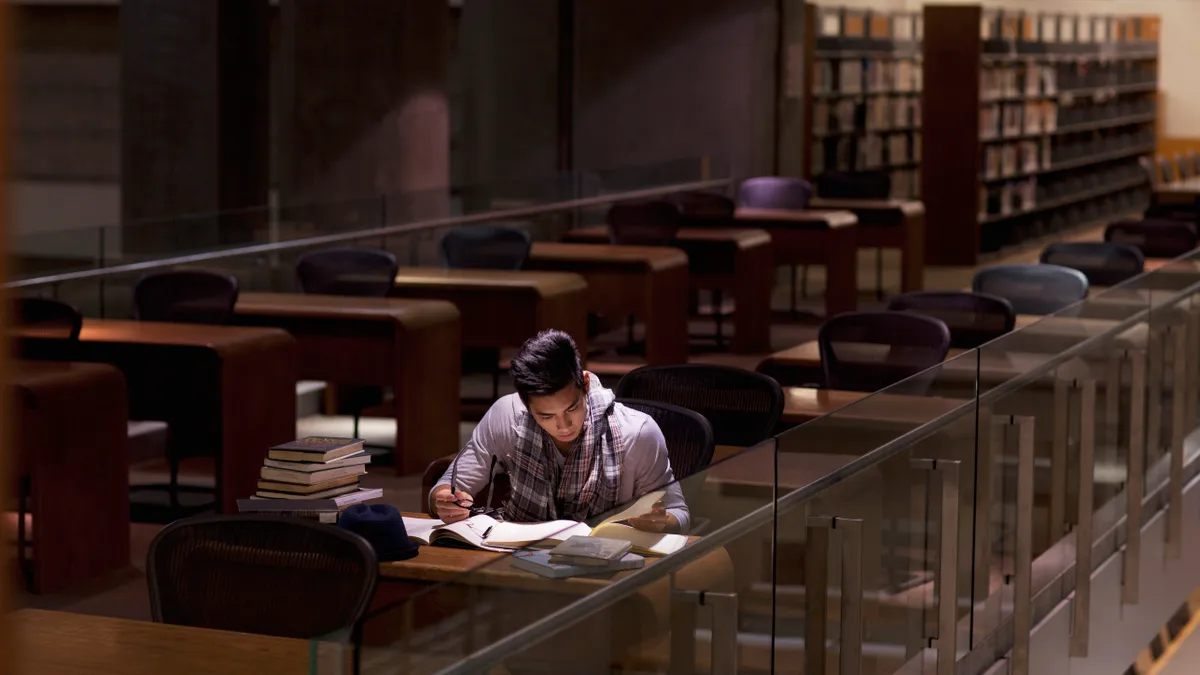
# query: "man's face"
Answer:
x=562 y=413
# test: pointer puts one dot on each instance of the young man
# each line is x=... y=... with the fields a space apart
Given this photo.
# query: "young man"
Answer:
x=570 y=451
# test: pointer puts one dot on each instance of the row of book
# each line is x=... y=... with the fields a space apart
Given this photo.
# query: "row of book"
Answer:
x=1011 y=197
x=1013 y=158
x=313 y=477
x=874 y=114
x=866 y=152
x=866 y=75
x=1005 y=120
x=1014 y=80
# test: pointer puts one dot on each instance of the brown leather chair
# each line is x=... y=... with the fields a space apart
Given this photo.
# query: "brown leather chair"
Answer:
x=438 y=467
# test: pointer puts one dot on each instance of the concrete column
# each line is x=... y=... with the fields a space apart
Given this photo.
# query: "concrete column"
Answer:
x=510 y=70
x=364 y=109
x=194 y=121
x=665 y=81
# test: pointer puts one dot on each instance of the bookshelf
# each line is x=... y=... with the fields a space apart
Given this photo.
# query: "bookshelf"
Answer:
x=864 y=100
x=1040 y=121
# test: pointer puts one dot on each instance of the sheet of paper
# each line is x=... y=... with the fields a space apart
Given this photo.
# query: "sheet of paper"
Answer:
x=521 y=534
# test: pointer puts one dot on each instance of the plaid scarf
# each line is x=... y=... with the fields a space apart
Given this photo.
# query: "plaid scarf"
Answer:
x=590 y=477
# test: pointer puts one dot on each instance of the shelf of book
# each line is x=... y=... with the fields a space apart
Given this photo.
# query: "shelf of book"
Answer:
x=863 y=100
x=1040 y=120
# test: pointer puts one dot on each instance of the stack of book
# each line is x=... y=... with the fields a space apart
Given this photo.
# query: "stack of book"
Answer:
x=316 y=468
x=579 y=556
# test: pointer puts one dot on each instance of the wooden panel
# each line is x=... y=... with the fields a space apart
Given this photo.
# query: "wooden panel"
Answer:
x=5 y=443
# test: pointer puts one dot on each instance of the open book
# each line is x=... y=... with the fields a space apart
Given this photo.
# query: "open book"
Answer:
x=490 y=534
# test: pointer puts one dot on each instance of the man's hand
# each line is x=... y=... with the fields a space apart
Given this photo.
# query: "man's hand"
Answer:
x=451 y=504
x=658 y=520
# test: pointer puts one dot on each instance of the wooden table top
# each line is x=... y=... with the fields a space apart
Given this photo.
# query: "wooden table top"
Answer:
x=476 y=567
x=823 y=220
x=609 y=256
x=173 y=334
x=803 y=404
x=1171 y=266
x=742 y=238
x=1191 y=185
x=82 y=644
x=757 y=469
x=305 y=305
x=907 y=207
x=543 y=283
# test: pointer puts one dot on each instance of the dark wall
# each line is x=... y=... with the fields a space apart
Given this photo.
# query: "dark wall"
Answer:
x=664 y=81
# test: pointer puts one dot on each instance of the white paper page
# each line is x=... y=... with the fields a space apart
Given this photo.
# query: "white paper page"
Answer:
x=655 y=542
x=642 y=506
x=520 y=534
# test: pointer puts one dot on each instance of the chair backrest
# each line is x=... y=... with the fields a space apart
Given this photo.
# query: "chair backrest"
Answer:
x=1183 y=168
x=486 y=247
x=688 y=434
x=1151 y=171
x=869 y=351
x=260 y=574
x=973 y=318
x=743 y=407
x=774 y=192
x=703 y=208
x=1032 y=288
x=1156 y=238
x=650 y=223
x=854 y=184
x=1166 y=173
x=1104 y=263
x=47 y=317
x=185 y=296
x=347 y=271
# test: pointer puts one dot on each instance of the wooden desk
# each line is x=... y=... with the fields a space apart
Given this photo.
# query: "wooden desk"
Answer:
x=650 y=282
x=888 y=223
x=224 y=391
x=828 y=238
x=734 y=260
x=503 y=308
x=749 y=474
x=70 y=423
x=804 y=404
x=441 y=581
x=412 y=346
x=84 y=644
x=1179 y=192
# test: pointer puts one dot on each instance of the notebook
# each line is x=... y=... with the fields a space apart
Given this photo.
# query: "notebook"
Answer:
x=487 y=533
x=541 y=564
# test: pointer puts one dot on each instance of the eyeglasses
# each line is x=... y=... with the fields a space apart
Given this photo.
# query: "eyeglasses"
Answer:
x=474 y=509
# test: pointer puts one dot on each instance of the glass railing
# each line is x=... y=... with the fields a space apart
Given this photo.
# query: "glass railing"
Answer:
x=260 y=247
x=113 y=245
x=927 y=527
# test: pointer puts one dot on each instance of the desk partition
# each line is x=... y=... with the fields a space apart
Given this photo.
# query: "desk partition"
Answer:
x=856 y=543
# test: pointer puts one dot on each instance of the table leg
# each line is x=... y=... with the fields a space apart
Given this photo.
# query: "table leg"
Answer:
x=427 y=376
x=912 y=253
x=666 y=316
x=755 y=279
x=841 y=271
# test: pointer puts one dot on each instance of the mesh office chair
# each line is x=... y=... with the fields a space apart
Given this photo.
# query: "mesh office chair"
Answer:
x=485 y=247
x=869 y=351
x=185 y=296
x=1103 y=263
x=1152 y=172
x=652 y=223
x=689 y=435
x=973 y=318
x=347 y=271
x=774 y=192
x=1166 y=172
x=1183 y=168
x=279 y=576
x=876 y=185
x=706 y=209
x=1156 y=238
x=743 y=407
x=1032 y=288
x=47 y=317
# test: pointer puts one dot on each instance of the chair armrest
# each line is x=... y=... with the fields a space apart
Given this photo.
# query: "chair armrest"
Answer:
x=432 y=473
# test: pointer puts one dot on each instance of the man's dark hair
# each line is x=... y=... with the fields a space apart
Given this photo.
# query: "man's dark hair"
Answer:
x=546 y=363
